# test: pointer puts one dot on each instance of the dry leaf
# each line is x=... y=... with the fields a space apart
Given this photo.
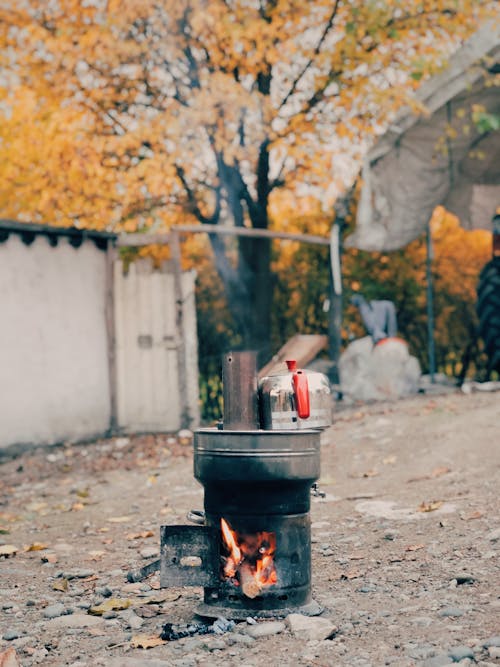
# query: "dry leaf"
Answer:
x=96 y=555
x=36 y=546
x=77 y=507
x=9 y=658
x=8 y=550
x=113 y=604
x=370 y=473
x=474 y=515
x=119 y=519
x=438 y=472
x=430 y=507
x=60 y=585
x=138 y=536
x=107 y=540
x=415 y=547
x=146 y=641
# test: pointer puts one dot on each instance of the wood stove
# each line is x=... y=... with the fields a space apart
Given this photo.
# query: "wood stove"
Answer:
x=252 y=555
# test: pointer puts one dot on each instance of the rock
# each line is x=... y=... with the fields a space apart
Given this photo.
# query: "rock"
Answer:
x=75 y=621
x=387 y=370
x=11 y=634
x=105 y=591
x=494 y=535
x=131 y=619
x=421 y=652
x=310 y=627
x=149 y=552
x=265 y=629
x=451 y=612
x=460 y=653
x=494 y=652
x=54 y=610
x=137 y=662
x=78 y=574
x=238 y=638
x=492 y=641
x=441 y=660
x=422 y=621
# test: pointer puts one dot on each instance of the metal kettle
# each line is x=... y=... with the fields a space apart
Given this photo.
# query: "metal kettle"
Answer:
x=299 y=399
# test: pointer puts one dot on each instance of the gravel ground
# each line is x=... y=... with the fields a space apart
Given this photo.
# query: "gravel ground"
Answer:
x=405 y=548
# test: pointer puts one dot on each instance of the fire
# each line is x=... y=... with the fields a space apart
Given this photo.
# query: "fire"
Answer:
x=249 y=559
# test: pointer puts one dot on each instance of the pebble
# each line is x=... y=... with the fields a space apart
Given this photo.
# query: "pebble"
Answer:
x=131 y=619
x=266 y=629
x=460 y=653
x=451 y=612
x=54 y=610
x=492 y=641
x=78 y=574
x=11 y=634
x=149 y=552
x=494 y=535
x=238 y=638
x=105 y=591
x=440 y=660
x=75 y=621
x=494 y=652
x=310 y=627
x=422 y=621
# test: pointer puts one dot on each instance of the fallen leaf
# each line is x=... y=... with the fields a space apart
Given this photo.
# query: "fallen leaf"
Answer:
x=82 y=493
x=438 y=472
x=4 y=531
x=8 y=550
x=370 y=473
x=9 y=658
x=473 y=515
x=77 y=507
x=60 y=585
x=119 y=519
x=107 y=540
x=146 y=641
x=113 y=604
x=415 y=547
x=36 y=546
x=431 y=506
x=96 y=555
x=138 y=536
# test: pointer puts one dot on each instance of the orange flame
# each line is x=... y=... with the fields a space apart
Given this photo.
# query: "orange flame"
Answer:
x=249 y=559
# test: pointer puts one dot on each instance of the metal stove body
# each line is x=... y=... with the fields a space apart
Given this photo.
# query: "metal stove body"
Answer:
x=258 y=482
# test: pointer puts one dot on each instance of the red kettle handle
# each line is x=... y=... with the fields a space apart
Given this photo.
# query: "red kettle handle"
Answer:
x=301 y=390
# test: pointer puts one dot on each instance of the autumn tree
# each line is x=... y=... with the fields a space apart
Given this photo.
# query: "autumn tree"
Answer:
x=206 y=109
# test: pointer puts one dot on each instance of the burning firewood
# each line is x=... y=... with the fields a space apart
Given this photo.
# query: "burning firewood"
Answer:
x=249 y=584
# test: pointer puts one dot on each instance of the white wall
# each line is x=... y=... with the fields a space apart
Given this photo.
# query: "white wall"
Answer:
x=54 y=376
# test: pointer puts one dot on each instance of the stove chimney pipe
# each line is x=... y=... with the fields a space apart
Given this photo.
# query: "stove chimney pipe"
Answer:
x=239 y=387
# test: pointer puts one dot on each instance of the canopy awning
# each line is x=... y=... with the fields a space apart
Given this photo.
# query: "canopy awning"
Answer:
x=438 y=158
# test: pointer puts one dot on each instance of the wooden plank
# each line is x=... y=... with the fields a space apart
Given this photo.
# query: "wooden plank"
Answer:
x=302 y=348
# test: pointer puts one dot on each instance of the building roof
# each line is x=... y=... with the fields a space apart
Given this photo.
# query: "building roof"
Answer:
x=29 y=231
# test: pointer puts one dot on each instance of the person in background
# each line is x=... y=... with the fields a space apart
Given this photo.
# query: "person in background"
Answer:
x=379 y=317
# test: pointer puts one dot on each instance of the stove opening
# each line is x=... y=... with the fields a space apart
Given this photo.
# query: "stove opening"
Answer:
x=247 y=560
